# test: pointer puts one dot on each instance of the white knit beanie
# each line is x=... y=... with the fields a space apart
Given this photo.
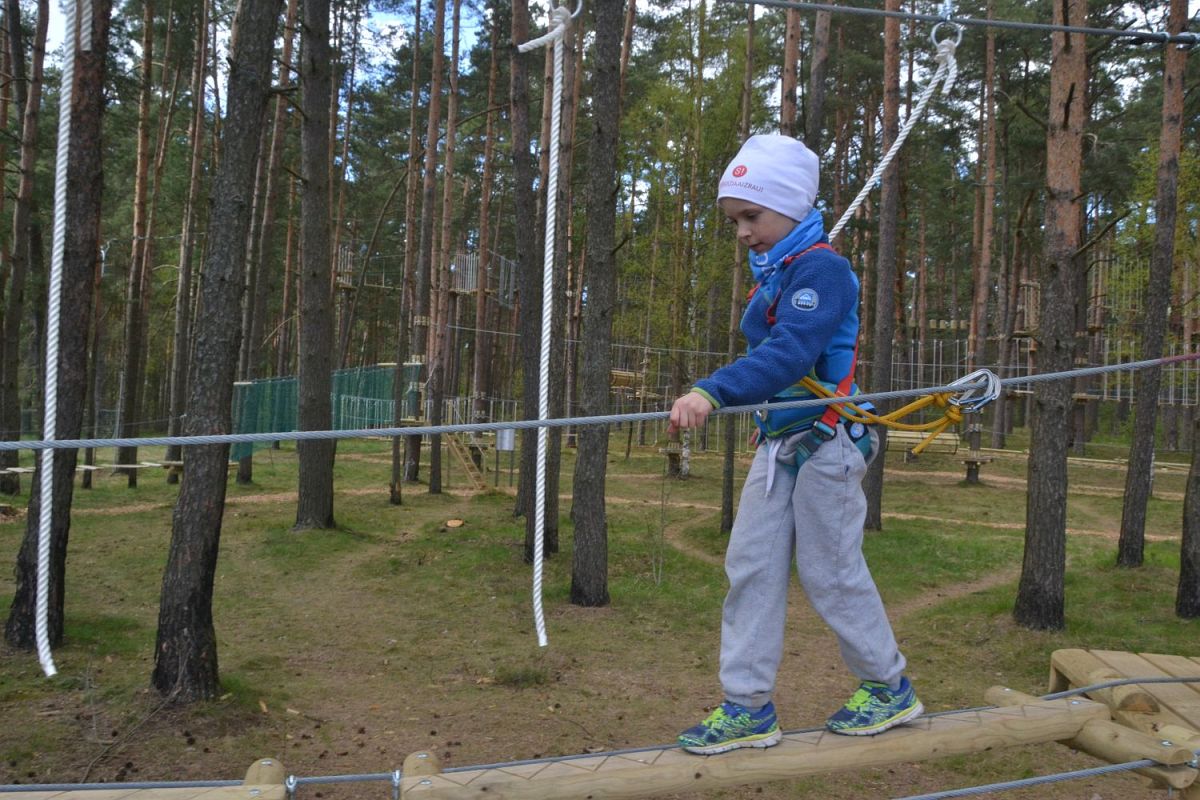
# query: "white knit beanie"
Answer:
x=775 y=172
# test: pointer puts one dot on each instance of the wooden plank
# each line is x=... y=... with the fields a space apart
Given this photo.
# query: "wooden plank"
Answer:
x=658 y=772
x=264 y=781
x=243 y=792
x=1180 y=699
x=1079 y=668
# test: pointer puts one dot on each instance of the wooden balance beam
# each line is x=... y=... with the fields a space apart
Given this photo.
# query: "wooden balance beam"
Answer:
x=264 y=781
x=653 y=773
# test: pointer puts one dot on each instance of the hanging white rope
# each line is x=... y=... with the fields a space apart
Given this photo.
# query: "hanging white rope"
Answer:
x=947 y=70
x=53 y=303
x=560 y=22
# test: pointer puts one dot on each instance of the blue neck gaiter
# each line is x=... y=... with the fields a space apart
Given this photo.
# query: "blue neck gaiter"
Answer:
x=807 y=232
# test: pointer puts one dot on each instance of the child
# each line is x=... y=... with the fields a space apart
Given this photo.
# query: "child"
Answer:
x=802 y=500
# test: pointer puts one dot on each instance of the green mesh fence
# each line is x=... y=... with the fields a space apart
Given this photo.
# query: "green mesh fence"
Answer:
x=362 y=398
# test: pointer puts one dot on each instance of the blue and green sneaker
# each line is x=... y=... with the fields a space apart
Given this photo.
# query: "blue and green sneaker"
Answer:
x=731 y=726
x=874 y=708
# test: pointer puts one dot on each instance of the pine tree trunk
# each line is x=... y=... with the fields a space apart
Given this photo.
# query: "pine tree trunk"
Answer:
x=737 y=295
x=79 y=269
x=314 y=503
x=589 y=566
x=528 y=253
x=1139 y=473
x=814 y=113
x=10 y=483
x=424 y=273
x=791 y=58
x=977 y=348
x=185 y=653
x=412 y=452
x=479 y=372
x=137 y=289
x=1040 y=592
x=885 y=268
x=21 y=252
x=1187 y=597
x=181 y=341
x=440 y=359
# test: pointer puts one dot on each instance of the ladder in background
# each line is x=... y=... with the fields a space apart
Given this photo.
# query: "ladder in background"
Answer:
x=463 y=454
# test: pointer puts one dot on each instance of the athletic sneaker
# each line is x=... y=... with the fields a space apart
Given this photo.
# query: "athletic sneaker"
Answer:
x=874 y=708
x=732 y=726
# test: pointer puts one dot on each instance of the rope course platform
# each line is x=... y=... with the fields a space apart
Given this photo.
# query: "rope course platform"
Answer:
x=1138 y=712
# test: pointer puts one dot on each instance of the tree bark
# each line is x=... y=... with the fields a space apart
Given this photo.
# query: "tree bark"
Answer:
x=589 y=566
x=1146 y=382
x=185 y=653
x=814 y=113
x=737 y=292
x=314 y=504
x=885 y=268
x=977 y=347
x=407 y=468
x=137 y=291
x=181 y=342
x=439 y=361
x=1040 y=593
x=1187 y=596
x=528 y=254
x=791 y=59
x=479 y=371
x=424 y=272
x=29 y=101
x=80 y=266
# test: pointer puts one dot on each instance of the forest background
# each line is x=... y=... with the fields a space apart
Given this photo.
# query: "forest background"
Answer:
x=321 y=214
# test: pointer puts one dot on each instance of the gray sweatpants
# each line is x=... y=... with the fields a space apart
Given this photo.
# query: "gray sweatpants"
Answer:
x=815 y=517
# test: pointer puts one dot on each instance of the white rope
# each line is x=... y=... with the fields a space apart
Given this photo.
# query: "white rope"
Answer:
x=53 y=303
x=948 y=70
x=560 y=21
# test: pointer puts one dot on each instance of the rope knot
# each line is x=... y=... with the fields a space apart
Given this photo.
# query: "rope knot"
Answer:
x=945 y=57
x=560 y=21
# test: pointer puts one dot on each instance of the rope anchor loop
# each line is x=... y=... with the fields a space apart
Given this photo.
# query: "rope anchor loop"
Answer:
x=980 y=388
x=956 y=33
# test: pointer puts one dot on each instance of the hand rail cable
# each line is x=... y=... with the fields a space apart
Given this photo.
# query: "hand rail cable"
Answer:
x=1188 y=39
x=563 y=422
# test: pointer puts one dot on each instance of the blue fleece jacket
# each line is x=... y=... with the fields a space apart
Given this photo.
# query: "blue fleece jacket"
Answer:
x=815 y=330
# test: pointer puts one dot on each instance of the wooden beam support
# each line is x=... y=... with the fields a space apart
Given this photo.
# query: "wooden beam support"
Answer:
x=1117 y=744
x=657 y=772
x=264 y=781
x=1077 y=668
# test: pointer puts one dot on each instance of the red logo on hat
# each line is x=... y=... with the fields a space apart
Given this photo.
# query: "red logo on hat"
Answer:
x=739 y=171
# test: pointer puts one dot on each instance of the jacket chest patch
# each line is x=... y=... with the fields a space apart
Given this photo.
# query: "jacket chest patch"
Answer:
x=806 y=300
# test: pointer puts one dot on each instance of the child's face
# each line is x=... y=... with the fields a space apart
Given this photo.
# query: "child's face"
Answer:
x=758 y=228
